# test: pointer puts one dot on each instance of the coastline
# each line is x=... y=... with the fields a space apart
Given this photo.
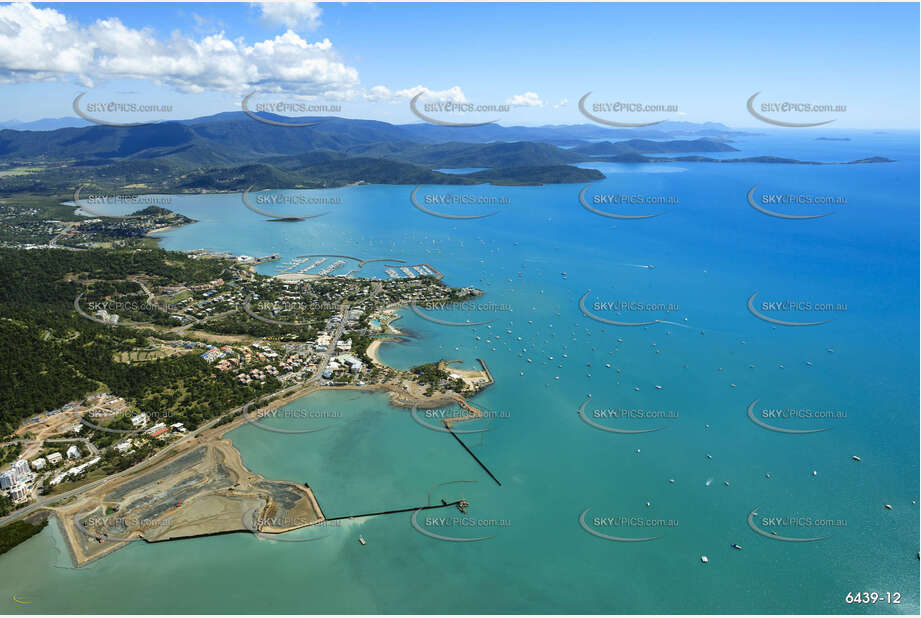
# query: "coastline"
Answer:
x=209 y=509
x=167 y=228
x=403 y=393
x=387 y=328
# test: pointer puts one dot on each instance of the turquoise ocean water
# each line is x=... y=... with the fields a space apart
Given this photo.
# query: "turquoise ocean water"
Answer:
x=711 y=356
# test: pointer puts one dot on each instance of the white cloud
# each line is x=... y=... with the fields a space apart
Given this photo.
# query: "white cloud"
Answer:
x=378 y=93
x=292 y=15
x=528 y=99
x=454 y=94
x=43 y=44
x=563 y=102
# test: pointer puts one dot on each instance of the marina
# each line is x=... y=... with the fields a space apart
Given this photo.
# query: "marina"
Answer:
x=532 y=313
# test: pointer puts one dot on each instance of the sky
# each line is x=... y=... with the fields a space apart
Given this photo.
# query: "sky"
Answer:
x=699 y=62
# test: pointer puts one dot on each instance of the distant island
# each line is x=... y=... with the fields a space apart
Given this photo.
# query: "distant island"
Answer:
x=638 y=158
x=646 y=146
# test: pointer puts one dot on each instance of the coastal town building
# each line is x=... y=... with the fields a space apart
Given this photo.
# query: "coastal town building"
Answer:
x=323 y=341
x=73 y=452
x=76 y=470
x=19 y=493
x=21 y=467
x=353 y=363
x=212 y=355
x=157 y=430
x=108 y=318
x=18 y=474
x=54 y=458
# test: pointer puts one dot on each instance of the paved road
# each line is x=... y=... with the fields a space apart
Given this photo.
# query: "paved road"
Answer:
x=45 y=501
x=89 y=445
x=54 y=241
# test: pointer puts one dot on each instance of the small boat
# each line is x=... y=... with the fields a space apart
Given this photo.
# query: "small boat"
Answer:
x=362 y=540
x=704 y=559
x=888 y=507
x=735 y=546
x=855 y=457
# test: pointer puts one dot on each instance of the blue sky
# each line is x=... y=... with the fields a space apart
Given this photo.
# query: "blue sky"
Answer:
x=539 y=59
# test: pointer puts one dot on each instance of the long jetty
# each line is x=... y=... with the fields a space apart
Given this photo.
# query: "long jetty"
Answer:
x=477 y=459
x=391 y=512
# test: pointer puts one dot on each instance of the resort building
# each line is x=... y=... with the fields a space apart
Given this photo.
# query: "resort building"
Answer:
x=19 y=493
x=21 y=467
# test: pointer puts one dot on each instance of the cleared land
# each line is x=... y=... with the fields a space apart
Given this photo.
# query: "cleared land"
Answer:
x=207 y=490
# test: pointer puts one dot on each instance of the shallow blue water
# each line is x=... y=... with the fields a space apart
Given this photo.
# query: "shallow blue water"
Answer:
x=710 y=253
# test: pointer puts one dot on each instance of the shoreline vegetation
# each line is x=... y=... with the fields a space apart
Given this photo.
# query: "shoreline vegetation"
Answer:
x=19 y=531
x=216 y=519
x=207 y=488
x=223 y=491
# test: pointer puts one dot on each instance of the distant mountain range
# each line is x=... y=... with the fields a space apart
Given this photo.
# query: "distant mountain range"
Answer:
x=231 y=151
x=45 y=124
x=233 y=137
x=560 y=134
